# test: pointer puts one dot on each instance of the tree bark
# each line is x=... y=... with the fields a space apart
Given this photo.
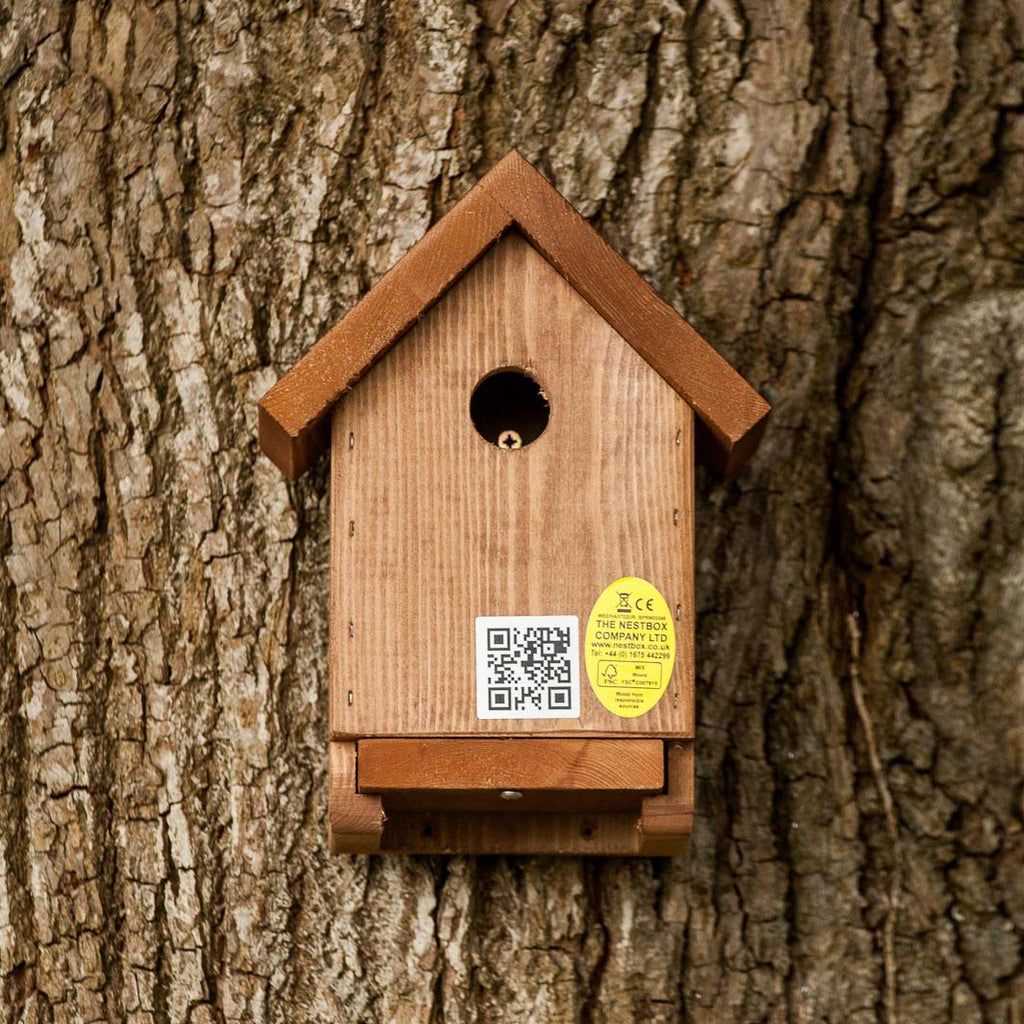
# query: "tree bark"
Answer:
x=193 y=192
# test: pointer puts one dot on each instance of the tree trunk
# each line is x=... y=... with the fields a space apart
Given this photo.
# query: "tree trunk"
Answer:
x=193 y=192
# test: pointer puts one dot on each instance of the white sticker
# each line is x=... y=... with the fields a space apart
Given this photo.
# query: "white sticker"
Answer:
x=527 y=666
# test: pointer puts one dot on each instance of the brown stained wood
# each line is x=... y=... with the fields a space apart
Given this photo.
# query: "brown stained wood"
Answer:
x=355 y=820
x=292 y=420
x=389 y=765
x=432 y=526
x=667 y=819
x=732 y=414
x=543 y=801
x=509 y=833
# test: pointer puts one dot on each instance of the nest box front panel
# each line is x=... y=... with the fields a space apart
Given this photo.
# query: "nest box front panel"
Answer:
x=512 y=455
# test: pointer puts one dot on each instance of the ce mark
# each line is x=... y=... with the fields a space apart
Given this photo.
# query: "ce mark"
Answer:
x=644 y=604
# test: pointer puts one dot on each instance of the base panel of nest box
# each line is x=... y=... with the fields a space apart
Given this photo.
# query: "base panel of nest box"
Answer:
x=526 y=796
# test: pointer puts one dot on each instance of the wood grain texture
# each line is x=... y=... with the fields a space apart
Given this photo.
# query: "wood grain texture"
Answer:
x=431 y=526
x=615 y=835
x=292 y=420
x=666 y=820
x=294 y=413
x=386 y=765
x=733 y=415
x=354 y=820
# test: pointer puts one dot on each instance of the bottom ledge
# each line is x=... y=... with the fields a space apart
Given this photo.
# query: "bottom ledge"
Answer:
x=462 y=832
x=396 y=821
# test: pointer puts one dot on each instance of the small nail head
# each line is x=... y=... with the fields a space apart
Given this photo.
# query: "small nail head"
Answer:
x=510 y=794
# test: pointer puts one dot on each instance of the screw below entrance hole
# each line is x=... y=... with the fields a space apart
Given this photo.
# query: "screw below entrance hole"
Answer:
x=509 y=439
x=510 y=794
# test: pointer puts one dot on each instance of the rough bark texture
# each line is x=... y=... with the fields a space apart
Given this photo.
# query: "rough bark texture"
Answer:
x=192 y=192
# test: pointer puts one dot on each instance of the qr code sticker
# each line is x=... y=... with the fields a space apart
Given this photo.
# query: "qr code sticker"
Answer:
x=527 y=666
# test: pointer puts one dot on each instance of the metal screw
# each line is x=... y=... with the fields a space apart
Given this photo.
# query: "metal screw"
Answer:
x=675 y=517
x=510 y=794
x=509 y=439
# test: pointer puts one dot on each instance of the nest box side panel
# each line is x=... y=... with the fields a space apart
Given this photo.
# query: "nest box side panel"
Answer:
x=432 y=525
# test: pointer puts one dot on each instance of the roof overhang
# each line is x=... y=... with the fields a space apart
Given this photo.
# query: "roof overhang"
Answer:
x=294 y=421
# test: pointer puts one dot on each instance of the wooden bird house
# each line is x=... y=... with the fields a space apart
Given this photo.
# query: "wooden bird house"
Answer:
x=512 y=415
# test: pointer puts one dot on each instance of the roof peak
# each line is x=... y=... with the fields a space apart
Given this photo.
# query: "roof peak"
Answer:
x=293 y=414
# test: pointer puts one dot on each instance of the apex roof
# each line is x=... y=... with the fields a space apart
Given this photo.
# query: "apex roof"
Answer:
x=294 y=421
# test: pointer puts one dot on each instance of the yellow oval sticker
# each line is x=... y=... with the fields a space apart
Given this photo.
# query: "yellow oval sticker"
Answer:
x=630 y=647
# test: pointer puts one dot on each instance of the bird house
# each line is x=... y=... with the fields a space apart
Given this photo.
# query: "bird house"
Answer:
x=512 y=415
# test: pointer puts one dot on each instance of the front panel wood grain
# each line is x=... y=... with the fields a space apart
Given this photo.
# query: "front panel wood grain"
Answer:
x=731 y=415
x=293 y=413
x=432 y=526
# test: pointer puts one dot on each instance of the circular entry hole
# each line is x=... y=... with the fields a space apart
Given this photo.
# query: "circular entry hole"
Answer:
x=509 y=409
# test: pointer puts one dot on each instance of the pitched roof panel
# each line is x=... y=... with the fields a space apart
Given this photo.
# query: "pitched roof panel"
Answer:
x=294 y=412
